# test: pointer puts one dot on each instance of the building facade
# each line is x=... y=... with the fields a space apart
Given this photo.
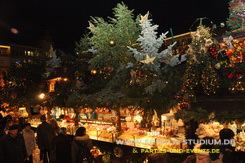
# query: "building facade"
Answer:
x=13 y=53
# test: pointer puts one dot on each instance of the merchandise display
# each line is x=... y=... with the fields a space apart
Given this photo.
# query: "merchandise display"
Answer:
x=131 y=134
x=212 y=129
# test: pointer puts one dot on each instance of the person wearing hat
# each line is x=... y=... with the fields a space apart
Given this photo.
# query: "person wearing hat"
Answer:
x=45 y=134
x=30 y=141
x=12 y=147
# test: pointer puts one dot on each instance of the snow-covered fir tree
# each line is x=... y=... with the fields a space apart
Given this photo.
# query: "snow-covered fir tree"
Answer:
x=150 y=44
x=52 y=63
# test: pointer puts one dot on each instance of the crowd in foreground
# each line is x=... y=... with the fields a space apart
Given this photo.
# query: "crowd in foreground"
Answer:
x=18 y=143
x=224 y=151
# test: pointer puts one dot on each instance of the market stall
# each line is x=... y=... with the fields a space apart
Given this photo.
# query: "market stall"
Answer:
x=166 y=135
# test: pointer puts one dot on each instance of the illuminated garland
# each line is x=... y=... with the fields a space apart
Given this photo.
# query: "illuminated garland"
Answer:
x=209 y=80
x=213 y=50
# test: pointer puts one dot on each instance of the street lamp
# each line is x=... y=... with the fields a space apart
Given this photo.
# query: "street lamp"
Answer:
x=41 y=96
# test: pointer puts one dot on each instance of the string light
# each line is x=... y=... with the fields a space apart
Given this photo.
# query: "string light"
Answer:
x=93 y=72
x=237 y=86
x=209 y=80
x=112 y=42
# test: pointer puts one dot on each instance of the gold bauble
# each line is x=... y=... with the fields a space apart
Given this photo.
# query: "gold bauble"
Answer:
x=112 y=42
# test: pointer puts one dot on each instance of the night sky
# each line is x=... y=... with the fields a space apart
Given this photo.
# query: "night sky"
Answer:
x=67 y=20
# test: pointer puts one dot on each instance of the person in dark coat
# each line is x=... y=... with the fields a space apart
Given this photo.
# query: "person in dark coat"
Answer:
x=45 y=134
x=227 y=152
x=1 y=113
x=81 y=146
x=159 y=157
x=12 y=147
x=6 y=129
x=2 y=133
x=61 y=148
x=55 y=126
x=5 y=119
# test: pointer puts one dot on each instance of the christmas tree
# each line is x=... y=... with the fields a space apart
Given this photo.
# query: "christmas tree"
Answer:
x=201 y=41
x=237 y=15
x=53 y=63
x=209 y=79
x=83 y=51
x=200 y=74
x=149 y=54
x=24 y=82
x=110 y=39
x=108 y=43
x=119 y=78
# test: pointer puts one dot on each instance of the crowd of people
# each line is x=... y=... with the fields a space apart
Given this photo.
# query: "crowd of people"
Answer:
x=225 y=152
x=213 y=152
x=18 y=142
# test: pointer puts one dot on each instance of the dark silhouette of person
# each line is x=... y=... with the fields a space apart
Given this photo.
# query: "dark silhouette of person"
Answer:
x=45 y=134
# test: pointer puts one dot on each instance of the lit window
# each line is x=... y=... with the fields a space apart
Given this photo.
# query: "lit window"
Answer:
x=51 y=86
